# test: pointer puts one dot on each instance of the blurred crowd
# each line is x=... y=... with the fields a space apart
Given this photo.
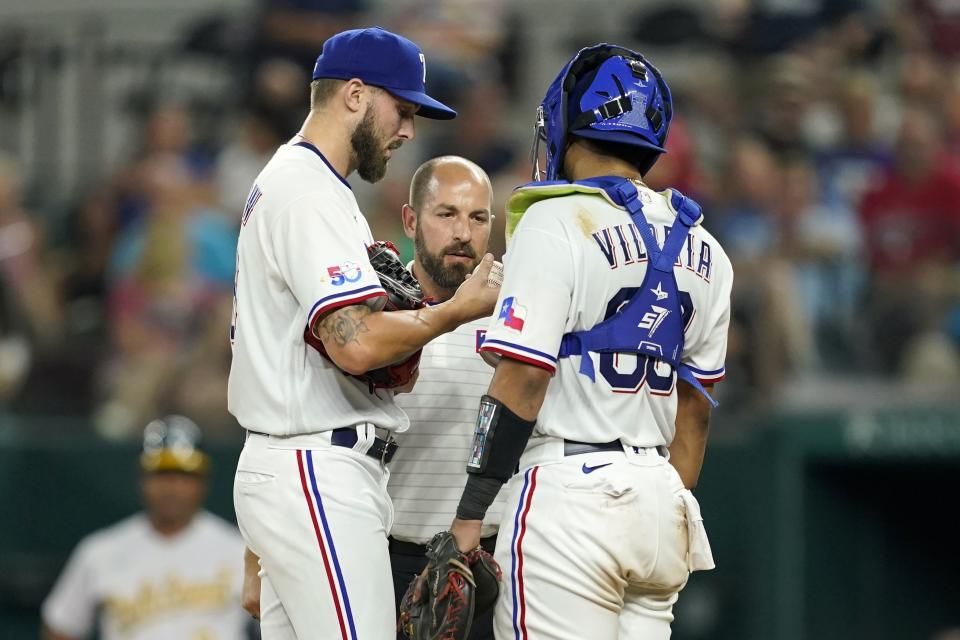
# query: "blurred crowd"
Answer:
x=821 y=138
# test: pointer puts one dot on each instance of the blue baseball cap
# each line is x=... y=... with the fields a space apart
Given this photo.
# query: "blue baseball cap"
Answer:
x=385 y=60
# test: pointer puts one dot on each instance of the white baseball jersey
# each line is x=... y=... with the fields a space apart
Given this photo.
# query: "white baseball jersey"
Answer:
x=302 y=252
x=428 y=472
x=149 y=587
x=571 y=262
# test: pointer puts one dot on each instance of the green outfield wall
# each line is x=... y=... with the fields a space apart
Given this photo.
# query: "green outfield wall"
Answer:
x=828 y=526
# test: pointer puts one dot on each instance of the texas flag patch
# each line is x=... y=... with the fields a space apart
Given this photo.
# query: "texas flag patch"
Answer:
x=512 y=314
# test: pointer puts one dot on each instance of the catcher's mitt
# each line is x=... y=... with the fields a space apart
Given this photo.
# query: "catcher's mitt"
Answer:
x=454 y=588
x=403 y=292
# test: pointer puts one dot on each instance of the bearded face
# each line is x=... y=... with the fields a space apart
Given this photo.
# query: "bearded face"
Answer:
x=445 y=276
x=370 y=148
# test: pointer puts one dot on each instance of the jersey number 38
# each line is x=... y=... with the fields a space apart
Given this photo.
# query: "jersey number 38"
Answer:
x=629 y=372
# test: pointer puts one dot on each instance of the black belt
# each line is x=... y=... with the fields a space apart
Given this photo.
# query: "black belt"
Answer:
x=573 y=448
x=382 y=450
x=404 y=548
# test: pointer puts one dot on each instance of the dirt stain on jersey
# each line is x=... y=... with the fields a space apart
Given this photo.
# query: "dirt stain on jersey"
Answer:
x=585 y=222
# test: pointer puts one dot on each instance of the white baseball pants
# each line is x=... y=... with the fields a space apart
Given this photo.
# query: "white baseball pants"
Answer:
x=318 y=517
x=595 y=546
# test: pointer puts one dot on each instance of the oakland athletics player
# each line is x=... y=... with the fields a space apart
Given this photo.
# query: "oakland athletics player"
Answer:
x=449 y=218
x=618 y=292
x=170 y=572
x=310 y=489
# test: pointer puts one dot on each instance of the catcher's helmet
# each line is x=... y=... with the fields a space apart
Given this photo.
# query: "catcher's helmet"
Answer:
x=608 y=93
x=172 y=444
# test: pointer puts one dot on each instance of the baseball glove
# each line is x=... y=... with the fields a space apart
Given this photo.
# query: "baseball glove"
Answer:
x=454 y=588
x=403 y=290
x=403 y=293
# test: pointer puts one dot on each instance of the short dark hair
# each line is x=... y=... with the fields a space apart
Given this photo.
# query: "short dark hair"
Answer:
x=321 y=89
x=637 y=156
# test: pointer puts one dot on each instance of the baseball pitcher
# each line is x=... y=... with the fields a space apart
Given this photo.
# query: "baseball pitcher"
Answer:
x=311 y=335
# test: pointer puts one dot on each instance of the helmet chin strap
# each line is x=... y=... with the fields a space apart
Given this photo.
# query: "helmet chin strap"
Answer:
x=539 y=129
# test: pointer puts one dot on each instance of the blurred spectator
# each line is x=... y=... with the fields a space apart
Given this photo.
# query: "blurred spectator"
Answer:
x=745 y=221
x=466 y=45
x=167 y=131
x=920 y=79
x=676 y=168
x=23 y=259
x=60 y=382
x=911 y=220
x=480 y=130
x=936 y=25
x=772 y=334
x=951 y=112
x=93 y=230
x=786 y=94
x=823 y=243
x=270 y=115
x=295 y=30
x=280 y=90
x=30 y=307
x=173 y=571
x=711 y=90
x=257 y=137
x=171 y=279
x=857 y=159
x=913 y=212
x=771 y=26
x=457 y=32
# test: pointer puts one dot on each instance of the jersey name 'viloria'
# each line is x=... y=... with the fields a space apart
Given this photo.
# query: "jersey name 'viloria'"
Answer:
x=621 y=245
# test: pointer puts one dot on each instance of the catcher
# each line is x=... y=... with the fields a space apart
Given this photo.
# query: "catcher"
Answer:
x=598 y=412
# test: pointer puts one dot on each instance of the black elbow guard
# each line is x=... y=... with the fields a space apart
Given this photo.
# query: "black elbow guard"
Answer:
x=498 y=441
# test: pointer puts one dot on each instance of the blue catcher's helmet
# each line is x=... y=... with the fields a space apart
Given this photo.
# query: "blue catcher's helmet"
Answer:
x=606 y=93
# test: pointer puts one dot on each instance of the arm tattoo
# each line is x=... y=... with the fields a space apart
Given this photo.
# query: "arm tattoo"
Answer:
x=343 y=325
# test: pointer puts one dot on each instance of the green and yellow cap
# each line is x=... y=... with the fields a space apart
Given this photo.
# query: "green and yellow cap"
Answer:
x=172 y=444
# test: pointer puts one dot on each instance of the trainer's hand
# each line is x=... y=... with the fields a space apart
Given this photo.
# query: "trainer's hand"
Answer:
x=476 y=298
x=250 y=596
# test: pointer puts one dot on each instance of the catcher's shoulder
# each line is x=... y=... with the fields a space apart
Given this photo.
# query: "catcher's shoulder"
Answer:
x=550 y=213
x=717 y=253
